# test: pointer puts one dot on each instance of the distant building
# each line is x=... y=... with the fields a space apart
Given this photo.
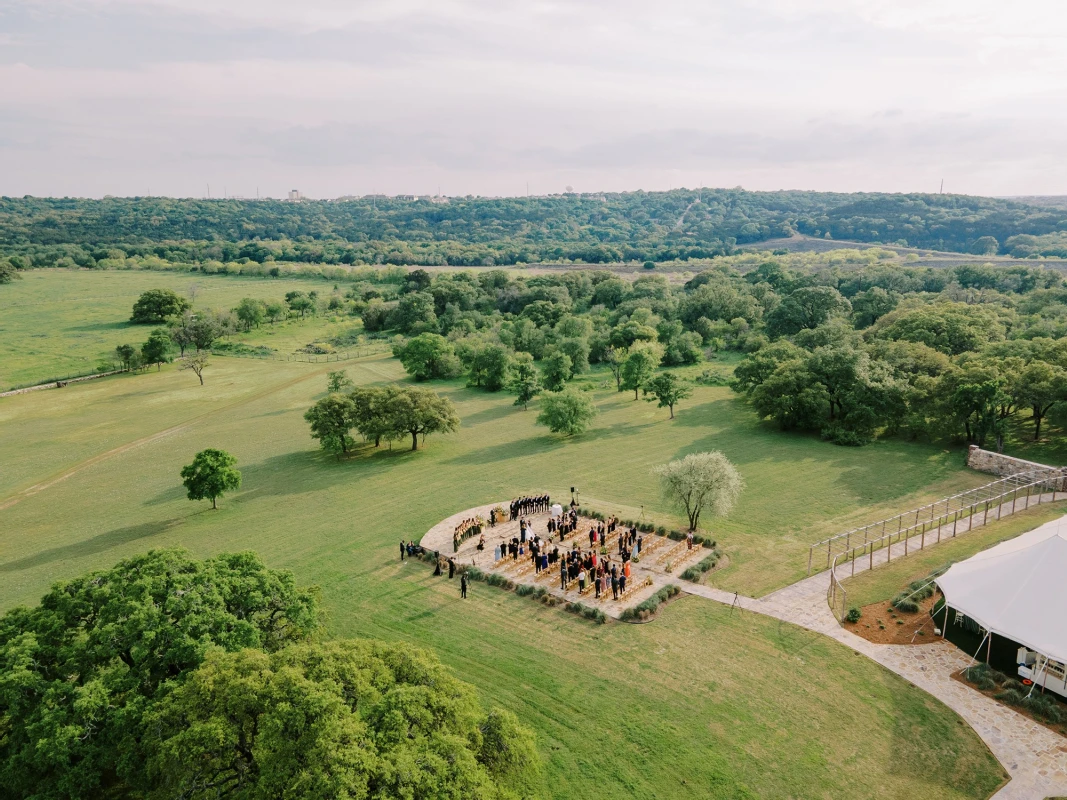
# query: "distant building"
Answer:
x=295 y=196
x=406 y=197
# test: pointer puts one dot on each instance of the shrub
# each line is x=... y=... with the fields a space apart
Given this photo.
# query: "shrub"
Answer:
x=986 y=684
x=905 y=604
x=647 y=608
x=661 y=531
x=499 y=580
x=1012 y=697
x=676 y=536
x=594 y=614
x=1042 y=706
x=853 y=615
x=695 y=572
x=975 y=673
x=524 y=589
x=474 y=574
x=920 y=590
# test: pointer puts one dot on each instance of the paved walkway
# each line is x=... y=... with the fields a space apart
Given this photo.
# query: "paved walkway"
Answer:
x=1034 y=756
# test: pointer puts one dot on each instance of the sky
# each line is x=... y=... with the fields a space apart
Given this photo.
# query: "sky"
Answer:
x=498 y=97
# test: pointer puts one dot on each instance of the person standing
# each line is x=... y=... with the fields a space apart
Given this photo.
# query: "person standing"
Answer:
x=402 y=548
x=622 y=584
x=614 y=586
x=451 y=569
x=581 y=581
x=563 y=576
x=437 y=562
x=596 y=586
x=463 y=586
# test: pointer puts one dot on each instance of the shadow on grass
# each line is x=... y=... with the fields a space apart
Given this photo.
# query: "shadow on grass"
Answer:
x=111 y=326
x=314 y=470
x=523 y=448
x=97 y=544
x=490 y=414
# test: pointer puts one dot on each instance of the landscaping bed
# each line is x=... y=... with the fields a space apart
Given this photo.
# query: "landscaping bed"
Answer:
x=1043 y=708
x=881 y=623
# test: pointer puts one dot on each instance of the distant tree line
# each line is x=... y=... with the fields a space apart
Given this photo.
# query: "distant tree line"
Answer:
x=593 y=229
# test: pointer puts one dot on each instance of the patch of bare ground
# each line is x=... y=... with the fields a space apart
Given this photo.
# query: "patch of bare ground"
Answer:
x=882 y=624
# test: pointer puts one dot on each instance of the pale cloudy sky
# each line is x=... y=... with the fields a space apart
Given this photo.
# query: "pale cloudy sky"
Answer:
x=484 y=96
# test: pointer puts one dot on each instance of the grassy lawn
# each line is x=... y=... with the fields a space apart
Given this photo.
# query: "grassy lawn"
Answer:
x=57 y=323
x=885 y=581
x=696 y=704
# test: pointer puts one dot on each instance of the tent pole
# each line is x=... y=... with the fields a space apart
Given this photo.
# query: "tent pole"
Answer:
x=976 y=652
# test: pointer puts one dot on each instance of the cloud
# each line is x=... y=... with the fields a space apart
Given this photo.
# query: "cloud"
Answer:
x=330 y=94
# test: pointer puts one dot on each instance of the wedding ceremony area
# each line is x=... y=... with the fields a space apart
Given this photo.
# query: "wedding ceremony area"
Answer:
x=573 y=556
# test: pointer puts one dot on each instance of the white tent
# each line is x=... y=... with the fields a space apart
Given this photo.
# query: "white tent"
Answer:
x=1017 y=590
x=556 y=511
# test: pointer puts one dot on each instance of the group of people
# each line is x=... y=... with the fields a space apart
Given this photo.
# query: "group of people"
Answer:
x=584 y=567
x=590 y=569
x=529 y=505
x=566 y=523
x=466 y=529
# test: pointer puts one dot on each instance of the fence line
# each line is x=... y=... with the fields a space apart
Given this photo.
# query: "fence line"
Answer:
x=926 y=515
x=962 y=520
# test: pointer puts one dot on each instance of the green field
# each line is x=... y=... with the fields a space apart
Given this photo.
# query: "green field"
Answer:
x=58 y=323
x=699 y=696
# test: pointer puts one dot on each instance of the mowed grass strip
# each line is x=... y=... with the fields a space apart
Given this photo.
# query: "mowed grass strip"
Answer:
x=701 y=703
x=884 y=582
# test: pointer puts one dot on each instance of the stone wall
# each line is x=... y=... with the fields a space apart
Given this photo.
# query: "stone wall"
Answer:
x=59 y=384
x=1002 y=465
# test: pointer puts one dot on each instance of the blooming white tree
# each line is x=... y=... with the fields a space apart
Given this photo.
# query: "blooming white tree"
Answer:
x=701 y=482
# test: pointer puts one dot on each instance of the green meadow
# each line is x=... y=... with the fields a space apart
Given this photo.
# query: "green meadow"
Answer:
x=702 y=702
x=58 y=323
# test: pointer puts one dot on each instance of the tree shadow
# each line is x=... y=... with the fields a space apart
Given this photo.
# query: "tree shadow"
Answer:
x=97 y=544
x=304 y=471
x=489 y=414
x=110 y=326
x=523 y=448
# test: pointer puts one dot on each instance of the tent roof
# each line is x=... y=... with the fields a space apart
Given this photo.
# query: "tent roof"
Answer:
x=1017 y=589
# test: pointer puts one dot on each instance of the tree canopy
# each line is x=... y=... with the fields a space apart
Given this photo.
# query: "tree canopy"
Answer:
x=212 y=474
x=155 y=306
x=81 y=669
x=167 y=677
x=569 y=412
x=701 y=482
